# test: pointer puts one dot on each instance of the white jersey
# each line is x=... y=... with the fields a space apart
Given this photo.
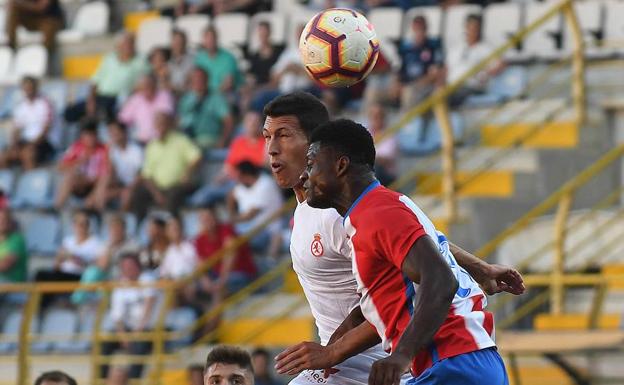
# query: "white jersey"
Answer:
x=321 y=259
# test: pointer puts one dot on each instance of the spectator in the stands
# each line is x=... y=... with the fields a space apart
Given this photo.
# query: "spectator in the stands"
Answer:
x=32 y=119
x=254 y=199
x=264 y=58
x=55 y=377
x=107 y=262
x=79 y=250
x=45 y=16
x=195 y=374
x=84 y=165
x=180 y=257
x=126 y=159
x=261 y=361
x=464 y=57
x=13 y=253
x=115 y=77
x=234 y=270
x=219 y=63
x=247 y=146
x=159 y=66
x=181 y=61
x=154 y=251
x=133 y=309
x=288 y=74
x=117 y=375
x=139 y=111
x=228 y=364
x=216 y=7
x=204 y=113
x=168 y=174
x=386 y=151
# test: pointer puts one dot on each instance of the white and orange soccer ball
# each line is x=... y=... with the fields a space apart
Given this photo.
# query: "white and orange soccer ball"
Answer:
x=339 y=47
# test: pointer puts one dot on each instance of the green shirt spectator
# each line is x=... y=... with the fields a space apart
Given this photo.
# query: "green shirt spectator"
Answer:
x=219 y=63
x=168 y=159
x=13 y=254
x=116 y=77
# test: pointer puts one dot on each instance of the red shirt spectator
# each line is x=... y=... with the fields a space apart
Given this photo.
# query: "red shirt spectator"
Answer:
x=248 y=146
x=92 y=159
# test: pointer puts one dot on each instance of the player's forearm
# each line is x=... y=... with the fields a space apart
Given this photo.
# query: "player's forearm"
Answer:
x=474 y=265
x=352 y=321
x=353 y=342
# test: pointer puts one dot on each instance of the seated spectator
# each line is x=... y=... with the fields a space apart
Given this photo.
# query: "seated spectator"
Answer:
x=133 y=309
x=420 y=72
x=116 y=76
x=228 y=362
x=55 y=377
x=261 y=61
x=247 y=146
x=105 y=267
x=78 y=251
x=217 y=7
x=464 y=57
x=84 y=165
x=45 y=16
x=254 y=199
x=32 y=119
x=13 y=255
x=205 y=114
x=261 y=361
x=126 y=159
x=386 y=151
x=288 y=74
x=159 y=66
x=219 y=64
x=180 y=257
x=235 y=270
x=167 y=177
x=139 y=111
x=153 y=253
x=180 y=62
x=117 y=375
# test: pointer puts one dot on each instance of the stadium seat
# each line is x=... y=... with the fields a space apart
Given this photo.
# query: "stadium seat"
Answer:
x=34 y=189
x=7 y=180
x=422 y=137
x=12 y=95
x=25 y=37
x=454 y=22
x=614 y=26
x=278 y=28
x=86 y=323
x=61 y=323
x=542 y=42
x=6 y=62
x=387 y=21
x=91 y=20
x=154 y=33
x=56 y=92
x=11 y=328
x=30 y=60
x=3 y=37
x=589 y=15
x=433 y=15
x=500 y=22
x=190 y=222
x=193 y=26
x=232 y=28
x=298 y=18
x=42 y=234
x=179 y=320
x=507 y=85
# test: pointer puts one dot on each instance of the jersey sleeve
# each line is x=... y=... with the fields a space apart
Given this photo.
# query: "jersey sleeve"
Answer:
x=396 y=233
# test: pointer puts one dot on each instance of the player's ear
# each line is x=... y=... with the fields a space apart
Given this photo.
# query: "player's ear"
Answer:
x=342 y=165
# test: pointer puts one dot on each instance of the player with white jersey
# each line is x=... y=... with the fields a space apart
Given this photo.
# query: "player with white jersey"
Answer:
x=321 y=259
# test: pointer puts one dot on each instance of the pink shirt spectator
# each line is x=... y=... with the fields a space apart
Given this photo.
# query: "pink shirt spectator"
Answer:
x=95 y=164
x=139 y=112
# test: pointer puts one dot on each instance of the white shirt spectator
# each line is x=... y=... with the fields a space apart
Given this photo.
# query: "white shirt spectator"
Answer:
x=31 y=117
x=462 y=58
x=127 y=162
x=264 y=195
x=179 y=261
x=290 y=82
x=128 y=303
x=88 y=251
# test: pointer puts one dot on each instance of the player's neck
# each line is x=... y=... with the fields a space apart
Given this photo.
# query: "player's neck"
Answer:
x=299 y=193
x=353 y=190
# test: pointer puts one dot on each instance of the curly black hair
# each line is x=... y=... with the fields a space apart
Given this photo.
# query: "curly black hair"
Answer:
x=348 y=138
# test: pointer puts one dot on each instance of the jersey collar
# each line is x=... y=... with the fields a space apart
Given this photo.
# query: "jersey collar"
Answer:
x=366 y=191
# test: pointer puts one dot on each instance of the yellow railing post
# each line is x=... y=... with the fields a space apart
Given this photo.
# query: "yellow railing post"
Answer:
x=441 y=112
x=23 y=358
x=158 y=340
x=95 y=339
x=578 y=62
x=561 y=219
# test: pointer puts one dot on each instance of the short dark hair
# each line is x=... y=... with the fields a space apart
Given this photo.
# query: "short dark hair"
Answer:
x=134 y=257
x=89 y=126
x=30 y=79
x=247 y=168
x=55 y=376
x=116 y=122
x=179 y=32
x=420 y=19
x=164 y=51
x=265 y=24
x=195 y=368
x=307 y=108
x=349 y=138
x=232 y=355
x=260 y=352
x=474 y=17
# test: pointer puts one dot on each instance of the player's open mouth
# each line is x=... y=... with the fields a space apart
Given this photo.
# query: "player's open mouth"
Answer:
x=276 y=167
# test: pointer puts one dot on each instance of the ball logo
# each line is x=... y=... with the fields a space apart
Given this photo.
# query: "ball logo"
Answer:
x=317 y=247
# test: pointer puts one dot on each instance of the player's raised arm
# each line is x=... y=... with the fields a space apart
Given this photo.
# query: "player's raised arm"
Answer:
x=437 y=286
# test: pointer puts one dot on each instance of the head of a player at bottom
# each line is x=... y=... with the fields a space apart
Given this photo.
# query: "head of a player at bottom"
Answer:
x=228 y=365
x=439 y=319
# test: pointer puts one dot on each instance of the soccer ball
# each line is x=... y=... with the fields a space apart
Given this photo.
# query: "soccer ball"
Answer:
x=339 y=47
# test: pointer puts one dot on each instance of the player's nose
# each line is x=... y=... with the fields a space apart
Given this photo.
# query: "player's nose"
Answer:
x=272 y=147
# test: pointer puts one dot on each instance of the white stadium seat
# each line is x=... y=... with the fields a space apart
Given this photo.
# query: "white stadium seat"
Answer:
x=6 y=62
x=541 y=43
x=614 y=25
x=500 y=22
x=232 y=28
x=154 y=33
x=31 y=60
x=298 y=18
x=455 y=21
x=387 y=22
x=589 y=15
x=3 y=37
x=193 y=26
x=91 y=20
x=433 y=15
x=278 y=28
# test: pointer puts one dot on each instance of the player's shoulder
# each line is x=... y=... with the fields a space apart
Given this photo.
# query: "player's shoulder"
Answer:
x=377 y=201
